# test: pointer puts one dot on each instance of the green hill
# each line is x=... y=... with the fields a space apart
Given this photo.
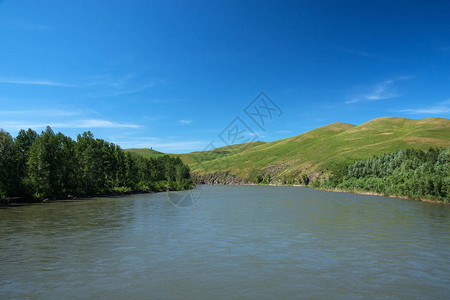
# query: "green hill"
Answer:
x=145 y=152
x=199 y=156
x=318 y=151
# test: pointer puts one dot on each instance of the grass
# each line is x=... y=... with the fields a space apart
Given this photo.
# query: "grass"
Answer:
x=145 y=152
x=318 y=151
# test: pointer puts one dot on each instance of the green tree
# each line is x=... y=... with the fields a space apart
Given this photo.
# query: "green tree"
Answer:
x=10 y=159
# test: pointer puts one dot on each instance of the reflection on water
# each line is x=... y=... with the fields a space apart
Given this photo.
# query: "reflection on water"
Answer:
x=236 y=242
x=184 y=198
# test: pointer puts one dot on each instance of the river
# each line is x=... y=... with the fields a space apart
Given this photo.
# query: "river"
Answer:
x=236 y=242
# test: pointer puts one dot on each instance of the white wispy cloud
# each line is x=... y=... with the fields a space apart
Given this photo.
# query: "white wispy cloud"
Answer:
x=32 y=82
x=357 y=52
x=354 y=100
x=96 y=123
x=113 y=86
x=42 y=112
x=284 y=131
x=119 y=91
x=133 y=90
x=185 y=122
x=165 y=145
x=381 y=91
x=86 y=124
x=439 y=108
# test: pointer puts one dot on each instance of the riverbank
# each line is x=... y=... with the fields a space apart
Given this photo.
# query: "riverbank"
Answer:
x=17 y=200
x=366 y=193
x=13 y=201
x=344 y=191
x=379 y=194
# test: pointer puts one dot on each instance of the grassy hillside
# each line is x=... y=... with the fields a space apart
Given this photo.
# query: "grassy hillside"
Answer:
x=199 y=156
x=145 y=152
x=322 y=150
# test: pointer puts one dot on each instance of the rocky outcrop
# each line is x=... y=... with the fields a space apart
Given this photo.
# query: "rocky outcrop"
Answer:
x=217 y=178
x=269 y=176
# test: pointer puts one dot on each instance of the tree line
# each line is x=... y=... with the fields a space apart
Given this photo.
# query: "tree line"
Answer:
x=411 y=173
x=49 y=165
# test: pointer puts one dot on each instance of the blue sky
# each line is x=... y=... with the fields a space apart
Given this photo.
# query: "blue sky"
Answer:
x=173 y=75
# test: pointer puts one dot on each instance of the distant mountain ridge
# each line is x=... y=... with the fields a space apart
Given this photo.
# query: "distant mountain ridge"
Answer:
x=316 y=152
